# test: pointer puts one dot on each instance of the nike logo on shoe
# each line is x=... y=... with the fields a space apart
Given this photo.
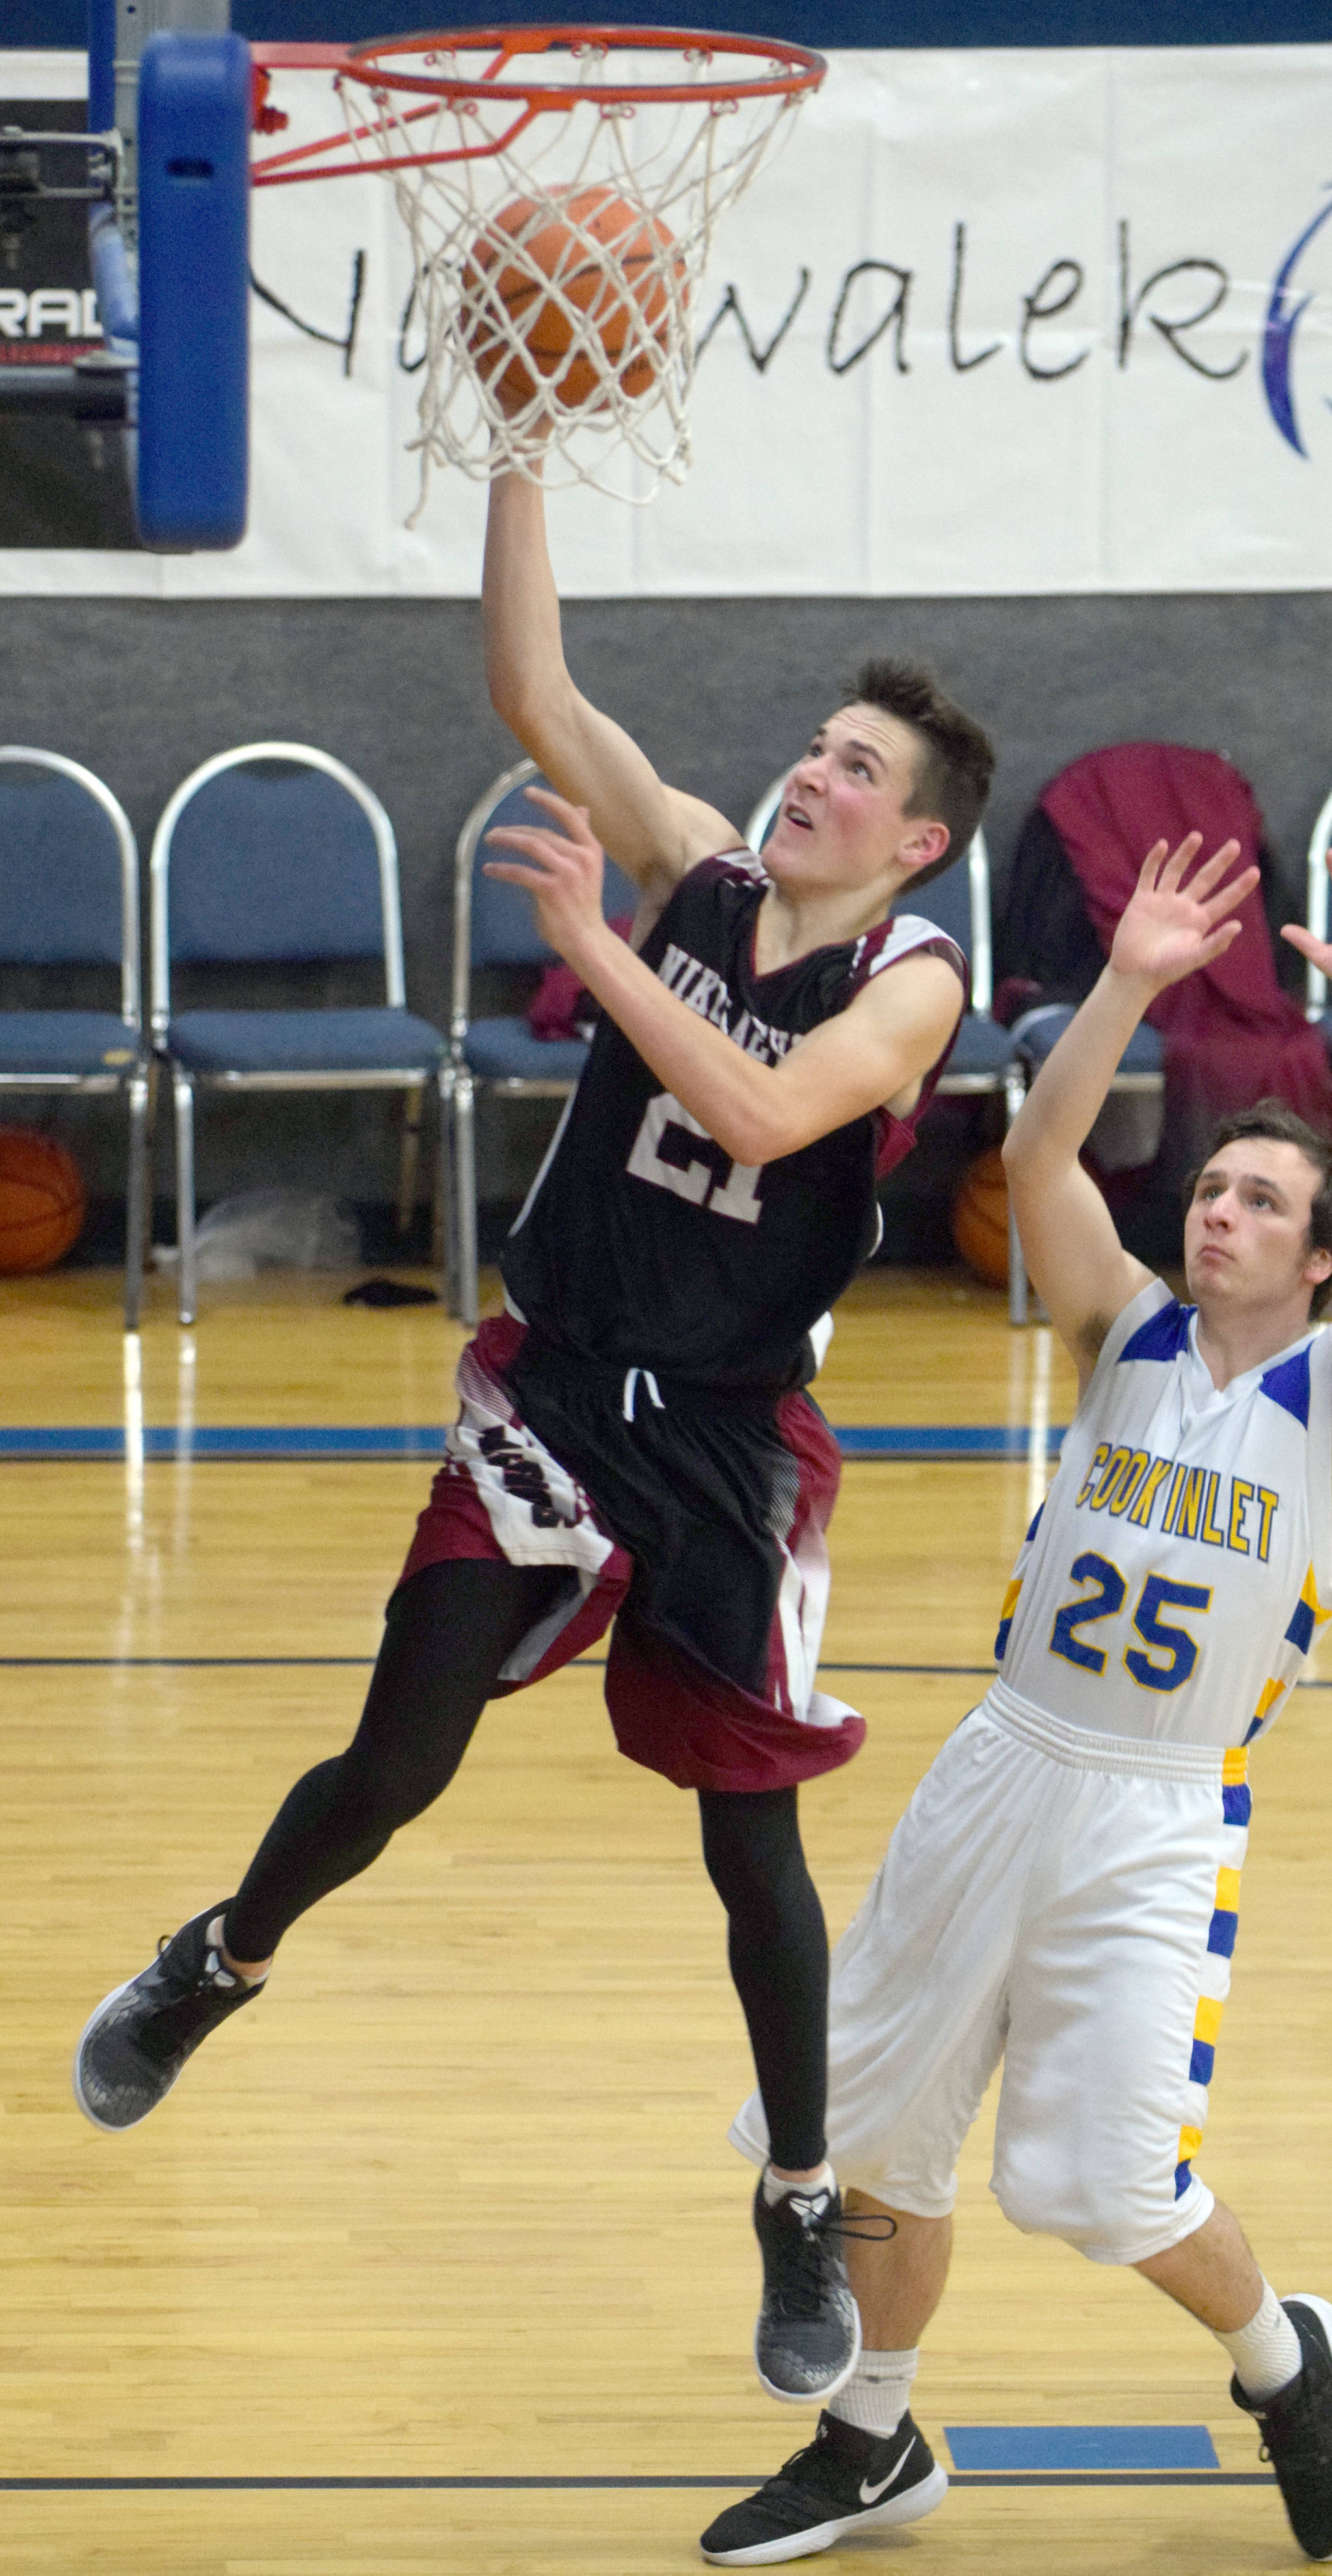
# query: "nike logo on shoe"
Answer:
x=871 y=2495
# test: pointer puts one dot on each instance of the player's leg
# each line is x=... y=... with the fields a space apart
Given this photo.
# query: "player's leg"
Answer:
x=1116 y=1992
x=450 y=1629
x=1282 y=2356
x=916 y=2027
x=868 y=2466
x=808 y=2337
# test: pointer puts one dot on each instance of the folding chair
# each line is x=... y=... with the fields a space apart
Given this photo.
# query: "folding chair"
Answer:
x=500 y=1059
x=276 y=851
x=982 y=1062
x=69 y=897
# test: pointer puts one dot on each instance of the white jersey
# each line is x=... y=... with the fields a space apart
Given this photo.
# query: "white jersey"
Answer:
x=1172 y=1583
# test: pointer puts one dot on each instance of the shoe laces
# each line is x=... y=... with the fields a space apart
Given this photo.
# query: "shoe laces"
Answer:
x=809 y=2253
x=819 y=2464
x=211 y=1973
x=1302 y=2430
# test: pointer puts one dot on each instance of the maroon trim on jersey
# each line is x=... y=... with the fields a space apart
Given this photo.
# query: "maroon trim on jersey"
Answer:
x=894 y=1137
x=670 y=1712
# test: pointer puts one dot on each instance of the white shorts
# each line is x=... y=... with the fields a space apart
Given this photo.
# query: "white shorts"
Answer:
x=1067 y=1902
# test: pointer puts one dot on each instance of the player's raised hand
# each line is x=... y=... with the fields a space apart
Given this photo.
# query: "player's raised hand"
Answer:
x=1318 y=951
x=1180 y=916
x=562 y=873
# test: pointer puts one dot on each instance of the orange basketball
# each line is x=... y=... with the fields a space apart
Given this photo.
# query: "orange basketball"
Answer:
x=41 y=1200
x=619 y=298
x=980 y=1218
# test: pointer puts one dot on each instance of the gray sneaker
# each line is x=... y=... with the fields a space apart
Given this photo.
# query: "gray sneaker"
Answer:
x=807 y=2340
x=140 y=2036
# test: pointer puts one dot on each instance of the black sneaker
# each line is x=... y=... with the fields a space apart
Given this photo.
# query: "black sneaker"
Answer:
x=1297 y=2428
x=140 y=2036
x=807 y=2340
x=846 y=2481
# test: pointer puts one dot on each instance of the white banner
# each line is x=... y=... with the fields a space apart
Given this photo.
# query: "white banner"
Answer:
x=993 y=322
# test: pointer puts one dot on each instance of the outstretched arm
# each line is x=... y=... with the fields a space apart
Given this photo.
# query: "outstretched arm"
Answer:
x=868 y=1055
x=1167 y=930
x=654 y=831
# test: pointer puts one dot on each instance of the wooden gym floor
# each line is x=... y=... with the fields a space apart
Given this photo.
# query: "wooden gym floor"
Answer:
x=438 y=2259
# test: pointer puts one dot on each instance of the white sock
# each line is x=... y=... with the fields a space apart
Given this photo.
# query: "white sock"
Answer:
x=215 y=1942
x=878 y=2394
x=1266 y=2352
x=775 y=2189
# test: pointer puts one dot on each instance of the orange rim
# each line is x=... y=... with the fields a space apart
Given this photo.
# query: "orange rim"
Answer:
x=374 y=67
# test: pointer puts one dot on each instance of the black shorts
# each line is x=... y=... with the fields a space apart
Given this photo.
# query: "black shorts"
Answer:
x=695 y=1520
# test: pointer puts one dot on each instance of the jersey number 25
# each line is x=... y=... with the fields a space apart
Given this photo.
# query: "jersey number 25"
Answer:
x=1159 y=1637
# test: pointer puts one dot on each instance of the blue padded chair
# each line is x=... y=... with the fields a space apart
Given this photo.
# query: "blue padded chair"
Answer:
x=271 y=852
x=982 y=1062
x=1316 y=917
x=500 y=1059
x=69 y=896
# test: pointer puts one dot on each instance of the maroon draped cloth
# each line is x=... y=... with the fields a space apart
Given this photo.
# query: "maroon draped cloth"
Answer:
x=1231 y=1035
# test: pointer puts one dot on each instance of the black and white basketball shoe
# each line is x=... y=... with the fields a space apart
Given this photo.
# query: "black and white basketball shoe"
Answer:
x=846 y=2481
x=807 y=2340
x=141 y=2035
x=1296 y=2427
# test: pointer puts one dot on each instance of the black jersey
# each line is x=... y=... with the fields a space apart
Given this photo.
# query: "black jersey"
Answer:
x=642 y=1244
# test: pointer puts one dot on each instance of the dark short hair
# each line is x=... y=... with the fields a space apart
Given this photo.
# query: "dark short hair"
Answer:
x=1284 y=1126
x=956 y=762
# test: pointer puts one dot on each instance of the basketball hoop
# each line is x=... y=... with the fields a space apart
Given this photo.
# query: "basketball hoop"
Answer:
x=561 y=186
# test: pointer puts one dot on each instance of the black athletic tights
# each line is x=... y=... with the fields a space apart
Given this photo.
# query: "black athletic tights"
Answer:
x=450 y=1630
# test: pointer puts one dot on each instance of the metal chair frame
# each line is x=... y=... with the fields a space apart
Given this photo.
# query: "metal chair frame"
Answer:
x=1316 y=909
x=135 y=1081
x=413 y=1081
x=1010 y=1084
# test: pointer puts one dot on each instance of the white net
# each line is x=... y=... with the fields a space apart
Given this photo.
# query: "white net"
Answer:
x=559 y=249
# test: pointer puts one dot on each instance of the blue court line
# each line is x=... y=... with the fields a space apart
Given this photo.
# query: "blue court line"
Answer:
x=1088 y=2447
x=940 y=1440
x=509 y=2486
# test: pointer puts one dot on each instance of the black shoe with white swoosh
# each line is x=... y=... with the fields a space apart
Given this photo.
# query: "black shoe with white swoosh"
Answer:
x=1297 y=2427
x=845 y=2481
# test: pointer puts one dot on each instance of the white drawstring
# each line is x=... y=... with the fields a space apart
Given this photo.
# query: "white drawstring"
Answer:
x=631 y=1379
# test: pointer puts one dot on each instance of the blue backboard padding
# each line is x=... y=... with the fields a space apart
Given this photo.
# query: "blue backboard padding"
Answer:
x=60 y=878
x=101 y=65
x=274 y=863
x=1081 y=2446
x=194 y=291
x=809 y=22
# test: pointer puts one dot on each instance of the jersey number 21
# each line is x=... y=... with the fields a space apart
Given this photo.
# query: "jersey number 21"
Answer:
x=712 y=1181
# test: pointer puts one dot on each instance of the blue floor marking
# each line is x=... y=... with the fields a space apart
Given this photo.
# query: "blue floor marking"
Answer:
x=1088 y=2447
x=940 y=1440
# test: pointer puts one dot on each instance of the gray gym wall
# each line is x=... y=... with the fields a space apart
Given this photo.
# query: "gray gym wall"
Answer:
x=721 y=693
